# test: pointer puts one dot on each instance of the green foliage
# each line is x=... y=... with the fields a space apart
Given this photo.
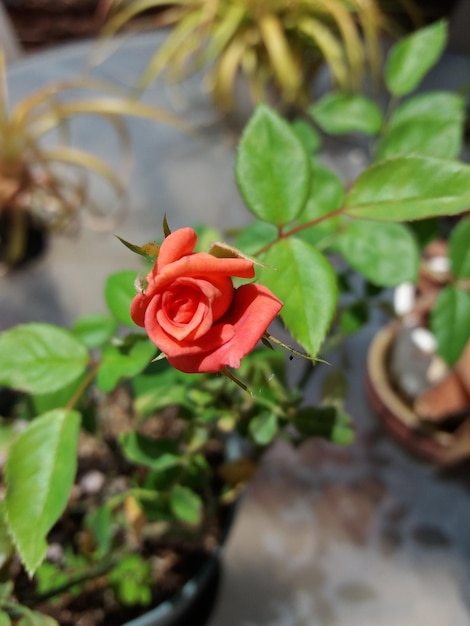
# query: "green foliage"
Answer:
x=119 y=292
x=4 y=619
x=45 y=402
x=412 y=57
x=459 y=249
x=255 y=236
x=123 y=361
x=94 y=330
x=309 y=295
x=340 y=113
x=385 y=253
x=40 y=471
x=430 y=123
x=157 y=454
x=327 y=422
x=410 y=187
x=100 y=522
x=53 y=576
x=309 y=137
x=353 y=317
x=131 y=580
x=326 y=196
x=6 y=544
x=263 y=428
x=450 y=322
x=186 y=505
x=33 y=618
x=40 y=358
x=272 y=168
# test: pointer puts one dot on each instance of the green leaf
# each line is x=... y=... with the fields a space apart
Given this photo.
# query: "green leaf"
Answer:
x=430 y=123
x=158 y=398
x=131 y=579
x=450 y=322
x=433 y=105
x=459 y=249
x=411 y=58
x=410 y=188
x=33 y=618
x=57 y=399
x=385 y=253
x=119 y=292
x=100 y=522
x=272 y=168
x=4 y=619
x=118 y=363
x=94 y=330
x=309 y=137
x=327 y=422
x=303 y=279
x=206 y=236
x=185 y=504
x=40 y=471
x=6 y=544
x=326 y=195
x=6 y=591
x=158 y=454
x=40 y=358
x=431 y=137
x=255 y=236
x=340 y=113
x=263 y=428
x=353 y=318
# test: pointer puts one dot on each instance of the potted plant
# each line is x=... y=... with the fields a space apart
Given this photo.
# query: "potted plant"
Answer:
x=275 y=45
x=418 y=365
x=149 y=415
x=42 y=184
x=416 y=379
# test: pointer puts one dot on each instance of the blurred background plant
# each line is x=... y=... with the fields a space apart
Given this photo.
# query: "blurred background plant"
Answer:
x=274 y=44
x=44 y=176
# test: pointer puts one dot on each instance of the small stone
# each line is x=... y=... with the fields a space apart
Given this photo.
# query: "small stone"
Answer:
x=55 y=553
x=409 y=362
x=92 y=482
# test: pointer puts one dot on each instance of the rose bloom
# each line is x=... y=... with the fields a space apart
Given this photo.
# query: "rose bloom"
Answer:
x=192 y=312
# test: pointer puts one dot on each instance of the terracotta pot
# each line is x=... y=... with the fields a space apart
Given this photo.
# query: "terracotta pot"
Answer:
x=400 y=420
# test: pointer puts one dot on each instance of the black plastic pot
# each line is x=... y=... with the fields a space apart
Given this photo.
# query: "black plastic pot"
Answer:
x=192 y=606
x=22 y=240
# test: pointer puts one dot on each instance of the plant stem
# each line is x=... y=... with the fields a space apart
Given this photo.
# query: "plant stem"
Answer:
x=84 y=384
x=95 y=571
x=299 y=228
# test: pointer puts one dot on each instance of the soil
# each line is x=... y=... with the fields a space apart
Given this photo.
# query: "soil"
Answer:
x=176 y=553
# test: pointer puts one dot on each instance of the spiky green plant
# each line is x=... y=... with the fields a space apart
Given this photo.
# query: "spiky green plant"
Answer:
x=31 y=183
x=280 y=42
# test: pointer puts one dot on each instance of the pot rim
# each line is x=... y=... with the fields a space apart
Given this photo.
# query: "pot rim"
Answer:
x=400 y=420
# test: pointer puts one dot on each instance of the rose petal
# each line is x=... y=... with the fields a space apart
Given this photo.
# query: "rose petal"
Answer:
x=211 y=340
x=199 y=265
x=138 y=307
x=254 y=307
x=199 y=321
x=176 y=245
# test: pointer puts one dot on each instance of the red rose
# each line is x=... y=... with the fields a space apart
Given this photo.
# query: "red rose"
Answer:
x=192 y=312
